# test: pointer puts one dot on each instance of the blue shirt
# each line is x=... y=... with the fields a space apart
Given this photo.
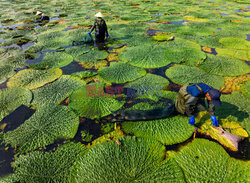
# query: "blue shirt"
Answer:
x=195 y=92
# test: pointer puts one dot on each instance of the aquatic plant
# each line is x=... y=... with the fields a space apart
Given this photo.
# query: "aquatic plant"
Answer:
x=46 y=125
x=12 y=98
x=121 y=72
x=6 y=71
x=31 y=79
x=235 y=43
x=245 y=89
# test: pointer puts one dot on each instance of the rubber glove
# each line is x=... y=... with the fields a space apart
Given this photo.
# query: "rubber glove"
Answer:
x=107 y=34
x=215 y=122
x=191 y=120
x=89 y=32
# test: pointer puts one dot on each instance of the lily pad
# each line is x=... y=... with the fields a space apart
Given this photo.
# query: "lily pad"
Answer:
x=92 y=55
x=184 y=75
x=92 y=102
x=240 y=54
x=201 y=158
x=47 y=166
x=148 y=85
x=84 y=74
x=171 y=130
x=77 y=50
x=44 y=127
x=224 y=66
x=235 y=43
x=12 y=98
x=245 y=89
x=56 y=91
x=135 y=160
x=6 y=71
x=53 y=60
x=32 y=79
x=121 y=72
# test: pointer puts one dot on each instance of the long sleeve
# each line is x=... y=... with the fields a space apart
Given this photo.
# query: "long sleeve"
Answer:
x=93 y=27
x=190 y=105
x=211 y=107
x=105 y=27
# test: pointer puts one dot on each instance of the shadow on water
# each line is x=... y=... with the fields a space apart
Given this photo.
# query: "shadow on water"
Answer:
x=14 y=120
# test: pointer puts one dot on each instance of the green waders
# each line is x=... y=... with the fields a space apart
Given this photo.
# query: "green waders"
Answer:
x=182 y=97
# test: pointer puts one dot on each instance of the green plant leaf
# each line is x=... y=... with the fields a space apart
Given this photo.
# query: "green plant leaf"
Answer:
x=184 y=75
x=84 y=74
x=56 y=91
x=92 y=55
x=77 y=50
x=148 y=85
x=47 y=166
x=224 y=66
x=245 y=89
x=171 y=130
x=53 y=60
x=32 y=79
x=235 y=43
x=46 y=125
x=92 y=102
x=205 y=161
x=11 y=98
x=135 y=160
x=121 y=72
x=6 y=71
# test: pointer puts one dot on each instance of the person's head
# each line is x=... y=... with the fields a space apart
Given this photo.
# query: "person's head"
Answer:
x=214 y=96
x=39 y=13
x=99 y=15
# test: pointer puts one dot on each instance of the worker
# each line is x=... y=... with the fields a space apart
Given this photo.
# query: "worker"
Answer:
x=192 y=97
x=41 y=17
x=100 y=28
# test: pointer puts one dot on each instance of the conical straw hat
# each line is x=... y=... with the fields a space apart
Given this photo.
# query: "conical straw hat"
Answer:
x=99 y=15
x=39 y=13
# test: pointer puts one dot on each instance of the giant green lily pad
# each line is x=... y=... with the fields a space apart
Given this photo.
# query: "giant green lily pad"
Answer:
x=48 y=124
x=77 y=50
x=148 y=85
x=6 y=71
x=245 y=89
x=135 y=160
x=240 y=54
x=31 y=79
x=11 y=98
x=47 y=166
x=53 y=60
x=205 y=161
x=184 y=75
x=92 y=55
x=145 y=56
x=171 y=130
x=235 y=43
x=92 y=102
x=224 y=66
x=121 y=72
x=57 y=91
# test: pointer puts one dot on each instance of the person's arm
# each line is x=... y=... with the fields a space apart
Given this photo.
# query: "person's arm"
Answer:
x=190 y=105
x=93 y=27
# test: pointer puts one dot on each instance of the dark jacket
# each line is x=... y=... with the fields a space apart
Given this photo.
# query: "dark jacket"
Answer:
x=192 y=97
x=100 y=27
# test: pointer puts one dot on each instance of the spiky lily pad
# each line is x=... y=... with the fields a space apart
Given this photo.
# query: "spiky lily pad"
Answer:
x=92 y=102
x=48 y=124
x=6 y=71
x=92 y=55
x=240 y=54
x=32 y=79
x=57 y=91
x=235 y=43
x=171 y=130
x=245 y=89
x=189 y=56
x=47 y=166
x=184 y=75
x=162 y=36
x=200 y=160
x=135 y=160
x=77 y=50
x=224 y=66
x=148 y=85
x=53 y=60
x=145 y=56
x=11 y=98
x=121 y=72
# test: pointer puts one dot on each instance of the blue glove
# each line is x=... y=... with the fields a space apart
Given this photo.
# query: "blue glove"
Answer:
x=191 y=120
x=107 y=34
x=215 y=122
x=89 y=32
